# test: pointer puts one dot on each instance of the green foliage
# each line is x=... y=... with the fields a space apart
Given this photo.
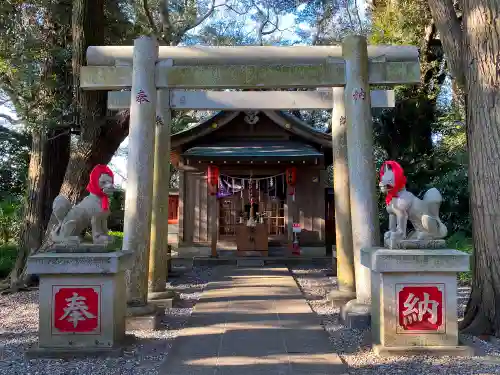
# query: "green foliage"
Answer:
x=451 y=177
x=118 y=240
x=117 y=200
x=116 y=206
x=8 y=254
x=405 y=132
x=35 y=58
x=14 y=159
x=399 y=22
x=424 y=136
x=431 y=148
x=10 y=220
x=463 y=242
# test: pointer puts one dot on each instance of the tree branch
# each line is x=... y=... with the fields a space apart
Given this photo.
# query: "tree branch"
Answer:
x=351 y=22
x=266 y=19
x=450 y=31
x=150 y=17
x=166 y=24
x=9 y=119
x=239 y=12
x=320 y=23
x=199 y=20
x=358 y=17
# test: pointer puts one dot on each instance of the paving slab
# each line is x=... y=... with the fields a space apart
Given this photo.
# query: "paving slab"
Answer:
x=253 y=321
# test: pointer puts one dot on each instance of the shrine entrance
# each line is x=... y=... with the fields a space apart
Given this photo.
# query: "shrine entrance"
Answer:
x=246 y=179
x=269 y=196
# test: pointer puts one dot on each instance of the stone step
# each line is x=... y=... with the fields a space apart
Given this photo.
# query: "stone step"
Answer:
x=250 y=262
x=288 y=261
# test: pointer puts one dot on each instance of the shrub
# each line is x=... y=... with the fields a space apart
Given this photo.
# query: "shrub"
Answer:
x=8 y=254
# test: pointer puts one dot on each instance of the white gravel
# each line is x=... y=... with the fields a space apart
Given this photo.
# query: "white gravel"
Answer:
x=19 y=331
x=354 y=345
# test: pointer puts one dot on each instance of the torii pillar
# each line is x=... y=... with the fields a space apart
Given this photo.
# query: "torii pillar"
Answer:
x=362 y=177
x=140 y=167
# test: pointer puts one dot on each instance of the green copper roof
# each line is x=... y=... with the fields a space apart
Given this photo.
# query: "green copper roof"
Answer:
x=257 y=149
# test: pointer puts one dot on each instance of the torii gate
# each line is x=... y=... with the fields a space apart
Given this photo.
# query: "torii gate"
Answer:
x=349 y=70
x=323 y=99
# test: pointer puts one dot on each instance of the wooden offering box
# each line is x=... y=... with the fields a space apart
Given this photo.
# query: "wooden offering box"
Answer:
x=252 y=239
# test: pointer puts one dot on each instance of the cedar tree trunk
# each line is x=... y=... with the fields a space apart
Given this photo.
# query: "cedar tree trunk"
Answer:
x=100 y=135
x=473 y=51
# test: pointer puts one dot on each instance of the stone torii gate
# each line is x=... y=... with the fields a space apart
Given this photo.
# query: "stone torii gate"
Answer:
x=323 y=99
x=349 y=70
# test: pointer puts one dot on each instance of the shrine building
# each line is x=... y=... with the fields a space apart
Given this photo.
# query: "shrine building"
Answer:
x=246 y=180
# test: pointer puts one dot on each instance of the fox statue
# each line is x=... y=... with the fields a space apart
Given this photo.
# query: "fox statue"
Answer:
x=402 y=206
x=92 y=211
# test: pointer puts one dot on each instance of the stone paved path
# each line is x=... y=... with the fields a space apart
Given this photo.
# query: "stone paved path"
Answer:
x=253 y=321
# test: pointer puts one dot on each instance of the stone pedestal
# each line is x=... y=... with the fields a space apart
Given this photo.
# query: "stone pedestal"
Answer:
x=82 y=302
x=414 y=300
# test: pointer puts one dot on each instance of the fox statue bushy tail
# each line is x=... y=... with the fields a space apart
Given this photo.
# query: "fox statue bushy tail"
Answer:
x=432 y=222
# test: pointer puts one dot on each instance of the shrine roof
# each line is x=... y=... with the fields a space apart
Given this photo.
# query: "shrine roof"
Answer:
x=284 y=120
x=261 y=149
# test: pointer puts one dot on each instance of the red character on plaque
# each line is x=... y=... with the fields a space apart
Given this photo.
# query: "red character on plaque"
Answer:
x=420 y=308
x=76 y=309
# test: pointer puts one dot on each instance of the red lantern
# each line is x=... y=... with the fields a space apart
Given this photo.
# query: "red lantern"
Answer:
x=174 y=158
x=291 y=176
x=213 y=179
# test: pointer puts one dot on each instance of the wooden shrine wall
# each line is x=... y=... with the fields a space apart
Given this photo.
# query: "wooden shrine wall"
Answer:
x=196 y=208
x=308 y=208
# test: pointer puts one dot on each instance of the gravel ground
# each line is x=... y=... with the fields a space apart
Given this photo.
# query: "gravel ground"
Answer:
x=19 y=331
x=354 y=345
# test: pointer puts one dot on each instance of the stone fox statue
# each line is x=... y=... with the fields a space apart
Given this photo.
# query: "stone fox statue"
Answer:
x=92 y=211
x=403 y=206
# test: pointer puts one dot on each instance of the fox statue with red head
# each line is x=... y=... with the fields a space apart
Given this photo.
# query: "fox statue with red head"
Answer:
x=92 y=211
x=402 y=206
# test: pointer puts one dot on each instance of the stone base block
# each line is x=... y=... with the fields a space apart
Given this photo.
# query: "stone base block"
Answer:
x=73 y=353
x=414 y=298
x=161 y=300
x=147 y=317
x=356 y=315
x=313 y=251
x=55 y=353
x=437 y=351
x=340 y=297
x=149 y=322
x=415 y=244
x=140 y=310
x=79 y=248
x=82 y=300
x=152 y=296
x=163 y=304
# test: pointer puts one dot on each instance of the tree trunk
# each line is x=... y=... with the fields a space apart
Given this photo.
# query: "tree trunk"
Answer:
x=50 y=173
x=100 y=136
x=473 y=54
x=55 y=163
x=32 y=228
x=482 y=76
x=50 y=147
